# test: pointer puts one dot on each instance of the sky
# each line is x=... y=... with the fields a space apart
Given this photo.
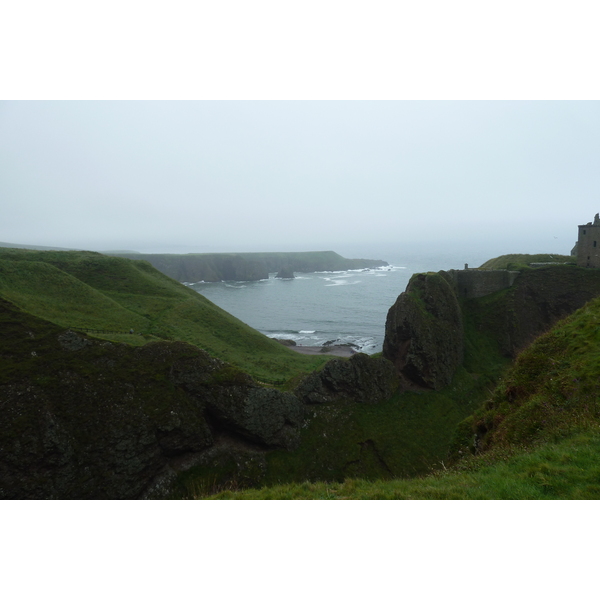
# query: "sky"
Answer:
x=203 y=176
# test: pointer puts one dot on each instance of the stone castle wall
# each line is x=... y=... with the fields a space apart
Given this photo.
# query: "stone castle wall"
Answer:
x=588 y=246
x=472 y=283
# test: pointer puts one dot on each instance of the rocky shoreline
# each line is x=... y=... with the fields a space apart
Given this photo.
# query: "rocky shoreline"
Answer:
x=343 y=351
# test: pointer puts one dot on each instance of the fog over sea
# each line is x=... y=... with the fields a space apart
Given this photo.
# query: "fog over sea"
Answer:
x=348 y=307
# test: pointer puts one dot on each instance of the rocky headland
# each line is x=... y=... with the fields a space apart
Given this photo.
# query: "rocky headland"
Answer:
x=426 y=328
x=249 y=266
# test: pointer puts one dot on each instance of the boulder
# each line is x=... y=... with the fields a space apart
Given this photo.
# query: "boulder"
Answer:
x=360 y=379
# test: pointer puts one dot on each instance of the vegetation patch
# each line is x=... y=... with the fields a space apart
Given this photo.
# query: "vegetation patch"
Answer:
x=518 y=262
x=107 y=297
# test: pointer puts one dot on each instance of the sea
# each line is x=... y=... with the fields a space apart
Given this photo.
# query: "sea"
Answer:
x=339 y=307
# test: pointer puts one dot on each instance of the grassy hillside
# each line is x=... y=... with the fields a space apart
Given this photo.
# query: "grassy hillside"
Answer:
x=567 y=470
x=111 y=295
x=520 y=261
x=536 y=437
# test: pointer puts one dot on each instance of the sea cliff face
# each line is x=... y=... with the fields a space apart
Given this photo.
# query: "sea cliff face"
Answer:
x=426 y=328
x=251 y=266
x=424 y=335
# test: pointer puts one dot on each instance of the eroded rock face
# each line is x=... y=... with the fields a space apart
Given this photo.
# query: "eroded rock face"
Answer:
x=424 y=335
x=285 y=273
x=262 y=415
x=83 y=418
x=537 y=300
x=233 y=400
x=359 y=379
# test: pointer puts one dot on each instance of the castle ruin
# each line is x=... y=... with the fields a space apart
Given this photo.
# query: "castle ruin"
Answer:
x=588 y=244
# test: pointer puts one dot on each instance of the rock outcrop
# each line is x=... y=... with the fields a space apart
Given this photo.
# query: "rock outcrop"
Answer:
x=82 y=418
x=285 y=273
x=362 y=379
x=424 y=336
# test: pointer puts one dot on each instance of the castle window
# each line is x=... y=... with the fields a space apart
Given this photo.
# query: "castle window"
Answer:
x=594 y=244
x=584 y=232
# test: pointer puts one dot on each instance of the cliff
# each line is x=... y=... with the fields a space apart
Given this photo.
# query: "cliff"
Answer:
x=424 y=335
x=434 y=319
x=84 y=418
x=251 y=266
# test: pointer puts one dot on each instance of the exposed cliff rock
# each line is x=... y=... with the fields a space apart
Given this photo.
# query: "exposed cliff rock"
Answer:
x=537 y=300
x=286 y=273
x=360 y=379
x=424 y=336
x=249 y=266
x=83 y=418
x=205 y=267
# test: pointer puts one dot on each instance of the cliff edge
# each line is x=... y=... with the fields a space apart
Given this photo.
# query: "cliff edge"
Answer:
x=424 y=335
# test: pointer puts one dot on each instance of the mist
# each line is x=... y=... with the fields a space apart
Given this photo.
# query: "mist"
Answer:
x=478 y=178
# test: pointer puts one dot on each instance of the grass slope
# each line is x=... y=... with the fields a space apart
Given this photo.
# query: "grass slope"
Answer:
x=568 y=470
x=87 y=290
x=521 y=261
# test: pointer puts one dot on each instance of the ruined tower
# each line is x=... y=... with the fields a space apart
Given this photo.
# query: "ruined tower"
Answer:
x=588 y=244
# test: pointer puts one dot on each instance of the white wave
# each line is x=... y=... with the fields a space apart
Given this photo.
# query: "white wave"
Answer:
x=306 y=331
x=343 y=282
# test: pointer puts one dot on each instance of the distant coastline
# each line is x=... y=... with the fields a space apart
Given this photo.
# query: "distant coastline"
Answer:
x=248 y=266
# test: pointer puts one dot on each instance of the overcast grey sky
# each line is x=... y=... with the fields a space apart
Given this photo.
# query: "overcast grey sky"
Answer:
x=269 y=175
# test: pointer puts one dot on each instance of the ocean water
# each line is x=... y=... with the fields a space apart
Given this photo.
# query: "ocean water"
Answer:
x=314 y=308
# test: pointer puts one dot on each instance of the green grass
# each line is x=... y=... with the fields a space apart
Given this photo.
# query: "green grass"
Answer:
x=552 y=389
x=521 y=261
x=566 y=470
x=87 y=290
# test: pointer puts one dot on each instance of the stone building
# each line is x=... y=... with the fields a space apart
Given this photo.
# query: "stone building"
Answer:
x=588 y=244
